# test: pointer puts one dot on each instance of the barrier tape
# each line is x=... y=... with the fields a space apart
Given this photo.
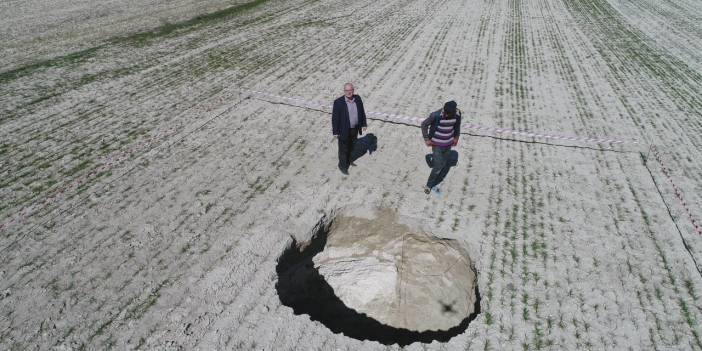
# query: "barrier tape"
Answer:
x=472 y=126
x=417 y=120
x=119 y=157
x=676 y=190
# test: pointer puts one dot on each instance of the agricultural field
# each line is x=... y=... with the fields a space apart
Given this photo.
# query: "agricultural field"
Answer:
x=158 y=157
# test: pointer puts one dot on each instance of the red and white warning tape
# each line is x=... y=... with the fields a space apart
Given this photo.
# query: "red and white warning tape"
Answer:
x=677 y=191
x=120 y=156
x=472 y=126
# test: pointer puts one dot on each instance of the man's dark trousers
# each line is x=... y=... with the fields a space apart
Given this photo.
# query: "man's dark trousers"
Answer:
x=440 y=165
x=346 y=148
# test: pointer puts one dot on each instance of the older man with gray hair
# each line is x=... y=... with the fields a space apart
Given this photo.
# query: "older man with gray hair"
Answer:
x=348 y=122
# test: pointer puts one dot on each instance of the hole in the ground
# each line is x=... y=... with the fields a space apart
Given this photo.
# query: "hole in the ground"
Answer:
x=374 y=278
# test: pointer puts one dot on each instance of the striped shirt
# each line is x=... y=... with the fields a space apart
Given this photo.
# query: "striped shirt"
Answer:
x=443 y=137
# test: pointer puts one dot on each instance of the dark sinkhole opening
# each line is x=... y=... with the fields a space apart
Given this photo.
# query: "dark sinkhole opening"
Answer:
x=303 y=288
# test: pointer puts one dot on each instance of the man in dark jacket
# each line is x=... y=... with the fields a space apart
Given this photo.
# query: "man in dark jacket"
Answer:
x=348 y=120
x=441 y=131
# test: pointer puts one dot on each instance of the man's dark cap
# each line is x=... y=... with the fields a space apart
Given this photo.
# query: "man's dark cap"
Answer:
x=450 y=107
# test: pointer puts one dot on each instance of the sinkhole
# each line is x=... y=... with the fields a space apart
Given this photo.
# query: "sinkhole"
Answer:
x=373 y=275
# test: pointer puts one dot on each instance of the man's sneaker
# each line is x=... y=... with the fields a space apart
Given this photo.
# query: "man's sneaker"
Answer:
x=427 y=189
x=345 y=171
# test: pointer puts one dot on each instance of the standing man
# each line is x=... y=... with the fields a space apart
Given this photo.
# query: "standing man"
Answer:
x=348 y=119
x=441 y=131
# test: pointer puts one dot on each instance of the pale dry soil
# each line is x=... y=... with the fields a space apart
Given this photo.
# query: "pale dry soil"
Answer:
x=145 y=200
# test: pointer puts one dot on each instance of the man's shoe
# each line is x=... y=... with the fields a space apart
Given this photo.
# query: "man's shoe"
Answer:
x=427 y=189
x=345 y=171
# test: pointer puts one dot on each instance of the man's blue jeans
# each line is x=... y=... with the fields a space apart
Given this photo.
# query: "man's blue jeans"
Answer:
x=440 y=165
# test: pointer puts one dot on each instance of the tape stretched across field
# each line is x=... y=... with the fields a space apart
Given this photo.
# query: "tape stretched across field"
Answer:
x=113 y=160
x=472 y=126
x=677 y=191
x=417 y=120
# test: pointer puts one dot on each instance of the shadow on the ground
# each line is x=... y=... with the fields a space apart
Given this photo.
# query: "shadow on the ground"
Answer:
x=301 y=287
x=366 y=144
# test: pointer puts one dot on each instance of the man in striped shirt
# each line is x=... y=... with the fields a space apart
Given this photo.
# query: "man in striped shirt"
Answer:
x=441 y=131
